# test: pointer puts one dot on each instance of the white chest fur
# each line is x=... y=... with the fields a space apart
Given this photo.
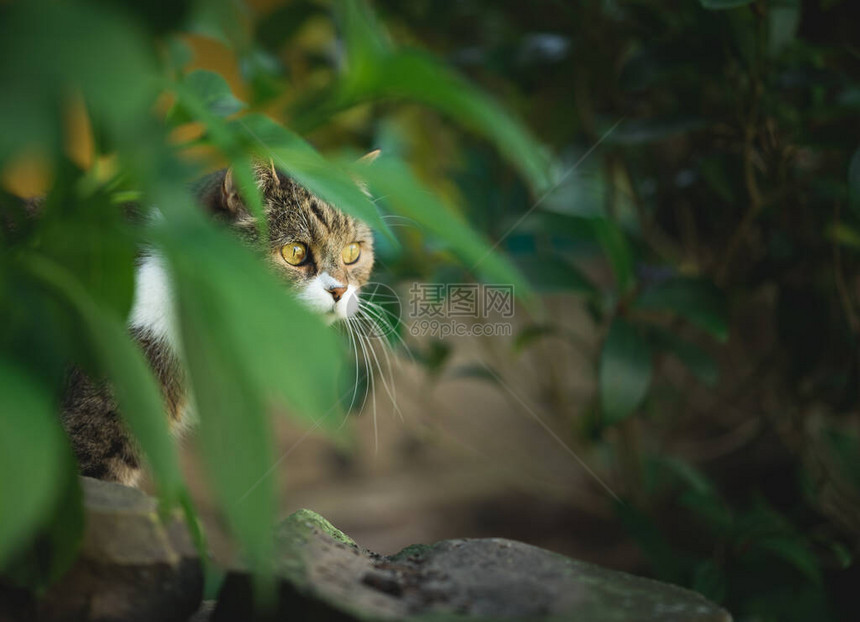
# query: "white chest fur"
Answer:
x=153 y=308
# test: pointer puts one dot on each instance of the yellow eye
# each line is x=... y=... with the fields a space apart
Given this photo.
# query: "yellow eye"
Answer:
x=294 y=253
x=351 y=252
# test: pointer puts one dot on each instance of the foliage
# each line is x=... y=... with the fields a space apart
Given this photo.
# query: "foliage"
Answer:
x=66 y=276
x=705 y=213
x=705 y=208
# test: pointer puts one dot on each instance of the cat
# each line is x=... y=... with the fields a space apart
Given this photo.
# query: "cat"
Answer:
x=322 y=253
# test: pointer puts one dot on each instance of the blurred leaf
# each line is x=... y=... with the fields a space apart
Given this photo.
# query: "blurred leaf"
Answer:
x=212 y=91
x=376 y=71
x=241 y=287
x=282 y=24
x=395 y=183
x=32 y=445
x=713 y=172
x=434 y=357
x=710 y=580
x=666 y=562
x=49 y=49
x=764 y=529
x=223 y=20
x=159 y=16
x=234 y=433
x=686 y=473
x=57 y=536
x=295 y=156
x=123 y=364
x=625 y=371
x=478 y=371
x=842 y=553
x=845 y=235
x=723 y=4
x=550 y=273
x=532 y=333
x=617 y=249
x=698 y=301
x=87 y=235
x=793 y=549
x=264 y=75
x=783 y=20
x=179 y=53
x=843 y=448
x=699 y=362
x=250 y=347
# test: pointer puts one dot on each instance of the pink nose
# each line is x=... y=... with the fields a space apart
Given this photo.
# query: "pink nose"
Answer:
x=337 y=292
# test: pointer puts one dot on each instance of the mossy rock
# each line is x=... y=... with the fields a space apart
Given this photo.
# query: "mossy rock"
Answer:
x=324 y=575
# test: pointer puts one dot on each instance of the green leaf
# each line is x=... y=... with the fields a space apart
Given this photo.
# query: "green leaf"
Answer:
x=376 y=71
x=233 y=430
x=531 y=334
x=699 y=362
x=257 y=315
x=666 y=562
x=625 y=371
x=844 y=235
x=51 y=49
x=696 y=300
x=223 y=20
x=476 y=371
x=617 y=249
x=250 y=348
x=792 y=549
x=391 y=179
x=32 y=446
x=212 y=91
x=57 y=536
x=551 y=273
x=783 y=19
x=123 y=365
x=434 y=357
x=710 y=580
x=88 y=236
x=283 y=23
x=723 y=4
x=295 y=156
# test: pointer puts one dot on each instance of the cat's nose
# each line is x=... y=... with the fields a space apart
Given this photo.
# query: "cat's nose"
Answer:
x=337 y=292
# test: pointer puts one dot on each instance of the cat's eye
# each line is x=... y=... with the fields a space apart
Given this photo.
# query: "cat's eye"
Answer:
x=294 y=253
x=351 y=252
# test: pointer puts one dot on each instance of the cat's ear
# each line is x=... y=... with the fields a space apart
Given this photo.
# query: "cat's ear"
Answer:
x=267 y=175
x=231 y=200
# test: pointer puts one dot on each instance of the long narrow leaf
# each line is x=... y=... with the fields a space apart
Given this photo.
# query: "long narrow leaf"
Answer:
x=377 y=71
x=31 y=450
x=625 y=371
x=389 y=178
x=123 y=364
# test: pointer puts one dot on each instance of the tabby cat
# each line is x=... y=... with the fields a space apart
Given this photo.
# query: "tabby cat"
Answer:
x=324 y=254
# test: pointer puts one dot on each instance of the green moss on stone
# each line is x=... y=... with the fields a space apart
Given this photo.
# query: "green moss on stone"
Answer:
x=299 y=524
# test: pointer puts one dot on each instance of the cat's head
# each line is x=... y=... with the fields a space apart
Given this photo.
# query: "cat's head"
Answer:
x=326 y=254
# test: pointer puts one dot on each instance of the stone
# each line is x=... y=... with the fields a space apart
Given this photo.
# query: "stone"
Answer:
x=131 y=567
x=323 y=575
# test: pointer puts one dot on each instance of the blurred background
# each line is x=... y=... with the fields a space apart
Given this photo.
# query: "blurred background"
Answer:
x=681 y=397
